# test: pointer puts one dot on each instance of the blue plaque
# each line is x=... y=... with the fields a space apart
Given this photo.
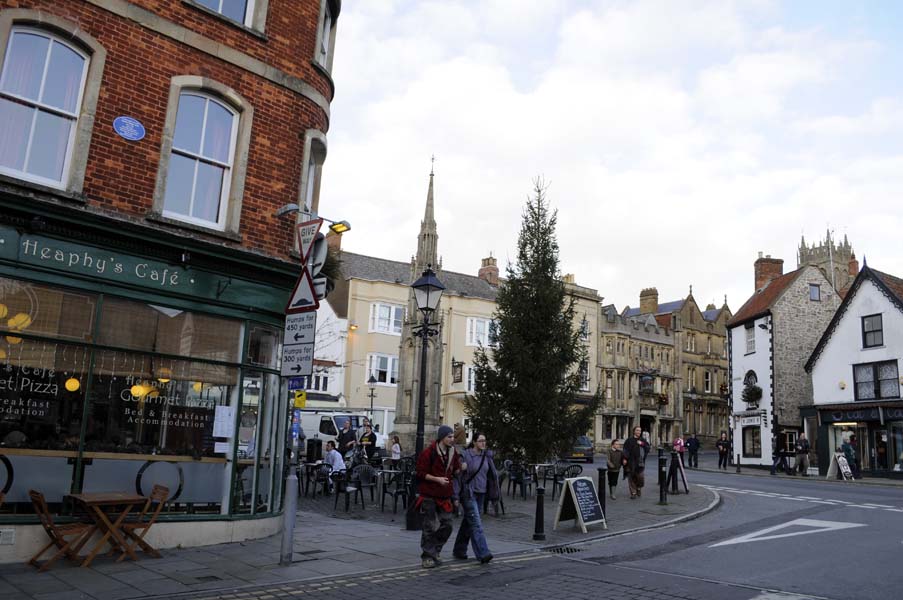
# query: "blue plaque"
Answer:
x=129 y=128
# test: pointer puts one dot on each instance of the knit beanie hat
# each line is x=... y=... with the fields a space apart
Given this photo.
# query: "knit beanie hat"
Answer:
x=444 y=431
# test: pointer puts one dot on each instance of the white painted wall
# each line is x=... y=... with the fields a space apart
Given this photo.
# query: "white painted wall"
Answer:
x=760 y=362
x=330 y=343
x=832 y=374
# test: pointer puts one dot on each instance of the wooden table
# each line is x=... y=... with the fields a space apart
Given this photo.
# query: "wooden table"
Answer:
x=95 y=504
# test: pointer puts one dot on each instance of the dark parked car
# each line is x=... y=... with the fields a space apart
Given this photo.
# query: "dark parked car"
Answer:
x=582 y=450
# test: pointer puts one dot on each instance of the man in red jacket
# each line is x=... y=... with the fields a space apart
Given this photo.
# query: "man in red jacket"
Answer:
x=436 y=470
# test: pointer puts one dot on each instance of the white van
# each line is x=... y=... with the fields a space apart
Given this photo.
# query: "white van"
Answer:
x=326 y=424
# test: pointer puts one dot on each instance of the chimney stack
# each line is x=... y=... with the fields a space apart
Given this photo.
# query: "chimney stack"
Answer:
x=853 y=265
x=489 y=271
x=766 y=269
x=649 y=301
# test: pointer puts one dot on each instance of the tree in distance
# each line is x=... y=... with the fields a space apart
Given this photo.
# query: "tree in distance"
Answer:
x=527 y=380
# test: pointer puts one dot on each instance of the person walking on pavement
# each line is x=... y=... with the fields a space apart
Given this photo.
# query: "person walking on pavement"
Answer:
x=634 y=460
x=367 y=441
x=614 y=466
x=472 y=486
x=724 y=451
x=680 y=448
x=779 y=461
x=693 y=449
x=460 y=437
x=802 y=455
x=437 y=466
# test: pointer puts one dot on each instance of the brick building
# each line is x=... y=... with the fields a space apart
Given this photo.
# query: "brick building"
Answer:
x=147 y=148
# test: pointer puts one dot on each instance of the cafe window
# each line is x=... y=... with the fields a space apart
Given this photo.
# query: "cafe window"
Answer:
x=160 y=400
x=155 y=328
x=876 y=380
x=752 y=442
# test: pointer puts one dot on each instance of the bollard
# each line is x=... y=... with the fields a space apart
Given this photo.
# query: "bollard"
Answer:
x=662 y=478
x=603 y=482
x=738 y=463
x=288 y=517
x=539 y=529
x=674 y=472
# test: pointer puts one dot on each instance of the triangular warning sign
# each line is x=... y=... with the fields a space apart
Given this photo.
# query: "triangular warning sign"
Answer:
x=307 y=233
x=303 y=299
x=811 y=525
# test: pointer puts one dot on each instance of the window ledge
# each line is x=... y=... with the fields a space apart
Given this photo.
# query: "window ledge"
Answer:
x=866 y=348
x=748 y=353
x=40 y=191
x=227 y=235
x=200 y=7
x=325 y=73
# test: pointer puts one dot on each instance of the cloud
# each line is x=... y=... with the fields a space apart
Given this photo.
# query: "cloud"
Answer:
x=678 y=139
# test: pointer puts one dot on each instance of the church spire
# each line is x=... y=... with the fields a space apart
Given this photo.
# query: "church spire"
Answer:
x=428 y=239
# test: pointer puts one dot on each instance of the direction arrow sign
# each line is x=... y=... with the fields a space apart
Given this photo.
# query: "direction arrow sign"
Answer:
x=300 y=328
x=307 y=233
x=813 y=525
x=304 y=298
x=297 y=360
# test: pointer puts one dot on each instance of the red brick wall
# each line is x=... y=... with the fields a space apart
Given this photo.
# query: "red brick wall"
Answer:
x=140 y=64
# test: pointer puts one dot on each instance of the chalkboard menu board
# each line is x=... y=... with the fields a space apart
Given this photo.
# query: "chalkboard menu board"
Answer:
x=580 y=502
x=840 y=465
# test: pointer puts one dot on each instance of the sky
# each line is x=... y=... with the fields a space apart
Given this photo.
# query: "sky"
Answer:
x=677 y=138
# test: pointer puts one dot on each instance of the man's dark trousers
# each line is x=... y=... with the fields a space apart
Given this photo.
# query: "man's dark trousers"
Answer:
x=694 y=458
x=437 y=527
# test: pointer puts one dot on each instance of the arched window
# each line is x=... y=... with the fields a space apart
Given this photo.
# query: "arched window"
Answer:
x=203 y=157
x=41 y=88
x=200 y=167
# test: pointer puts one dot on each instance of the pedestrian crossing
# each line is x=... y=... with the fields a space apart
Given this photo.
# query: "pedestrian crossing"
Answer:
x=805 y=499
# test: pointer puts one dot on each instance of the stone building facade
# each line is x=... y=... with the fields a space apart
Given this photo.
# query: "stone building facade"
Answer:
x=770 y=339
x=699 y=339
x=639 y=384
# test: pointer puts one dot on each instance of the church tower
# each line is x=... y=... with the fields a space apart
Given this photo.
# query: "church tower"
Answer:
x=409 y=351
x=837 y=261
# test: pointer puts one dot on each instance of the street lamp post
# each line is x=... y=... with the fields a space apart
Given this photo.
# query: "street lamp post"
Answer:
x=371 y=384
x=427 y=292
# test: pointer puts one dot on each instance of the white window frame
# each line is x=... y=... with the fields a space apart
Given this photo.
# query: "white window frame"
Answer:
x=395 y=318
x=228 y=168
x=751 y=339
x=391 y=377
x=326 y=26
x=470 y=379
x=475 y=338
x=583 y=372
x=707 y=382
x=37 y=106
x=248 y=20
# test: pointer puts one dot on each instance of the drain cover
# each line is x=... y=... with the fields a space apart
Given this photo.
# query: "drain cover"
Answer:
x=563 y=550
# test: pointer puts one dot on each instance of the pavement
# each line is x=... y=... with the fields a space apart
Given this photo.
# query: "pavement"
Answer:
x=708 y=461
x=331 y=543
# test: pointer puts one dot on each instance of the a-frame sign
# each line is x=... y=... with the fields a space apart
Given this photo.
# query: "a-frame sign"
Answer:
x=304 y=297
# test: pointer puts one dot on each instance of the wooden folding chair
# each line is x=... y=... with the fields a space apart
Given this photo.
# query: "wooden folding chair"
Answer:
x=144 y=522
x=68 y=538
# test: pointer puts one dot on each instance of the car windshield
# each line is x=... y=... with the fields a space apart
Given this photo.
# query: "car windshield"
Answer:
x=583 y=441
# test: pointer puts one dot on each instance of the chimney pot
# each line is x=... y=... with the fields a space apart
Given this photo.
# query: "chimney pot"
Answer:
x=489 y=270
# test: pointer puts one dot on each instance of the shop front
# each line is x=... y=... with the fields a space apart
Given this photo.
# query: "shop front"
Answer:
x=121 y=370
x=873 y=432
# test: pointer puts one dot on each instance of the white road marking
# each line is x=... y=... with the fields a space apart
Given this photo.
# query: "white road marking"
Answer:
x=815 y=525
x=879 y=505
x=810 y=499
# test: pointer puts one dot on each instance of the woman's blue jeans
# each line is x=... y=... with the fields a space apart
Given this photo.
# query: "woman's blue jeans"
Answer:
x=471 y=529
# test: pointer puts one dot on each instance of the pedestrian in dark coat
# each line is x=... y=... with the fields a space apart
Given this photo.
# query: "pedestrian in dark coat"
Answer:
x=634 y=460
x=614 y=466
x=693 y=449
x=724 y=451
x=437 y=466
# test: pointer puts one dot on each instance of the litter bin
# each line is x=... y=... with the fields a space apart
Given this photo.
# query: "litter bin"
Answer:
x=314 y=450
